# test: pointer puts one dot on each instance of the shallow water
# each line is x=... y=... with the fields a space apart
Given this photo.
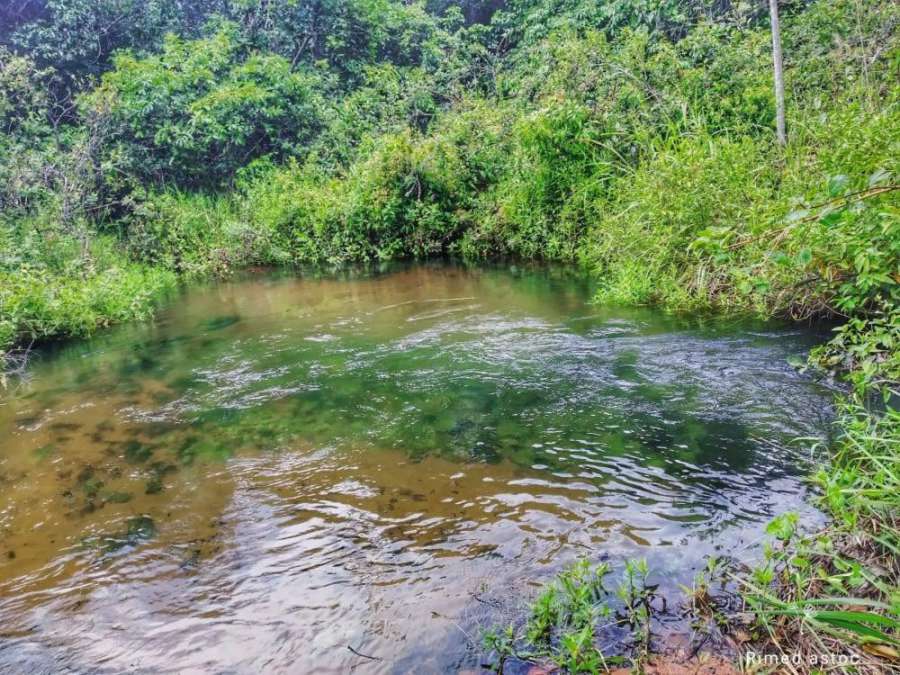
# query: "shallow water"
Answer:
x=279 y=468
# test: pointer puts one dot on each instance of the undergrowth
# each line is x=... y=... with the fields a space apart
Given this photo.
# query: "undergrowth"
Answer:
x=573 y=612
x=836 y=591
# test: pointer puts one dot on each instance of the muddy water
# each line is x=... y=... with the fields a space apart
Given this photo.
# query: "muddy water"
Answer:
x=278 y=469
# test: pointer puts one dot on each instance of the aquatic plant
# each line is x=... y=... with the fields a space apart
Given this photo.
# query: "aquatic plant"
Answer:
x=572 y=612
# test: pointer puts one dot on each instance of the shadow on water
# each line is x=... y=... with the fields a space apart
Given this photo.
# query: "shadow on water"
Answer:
x=280 y=467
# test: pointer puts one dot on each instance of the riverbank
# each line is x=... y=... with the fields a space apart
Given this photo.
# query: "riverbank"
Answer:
x=822 y=598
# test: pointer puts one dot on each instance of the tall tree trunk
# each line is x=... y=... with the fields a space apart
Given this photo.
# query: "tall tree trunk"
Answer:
x=779 y=72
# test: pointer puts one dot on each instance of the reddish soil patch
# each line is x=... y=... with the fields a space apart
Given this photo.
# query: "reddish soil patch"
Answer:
x=679 y=664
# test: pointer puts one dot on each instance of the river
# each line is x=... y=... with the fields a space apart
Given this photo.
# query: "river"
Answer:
x=279 y=468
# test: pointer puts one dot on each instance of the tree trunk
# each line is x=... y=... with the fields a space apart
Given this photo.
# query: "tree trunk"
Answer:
x=779 y=73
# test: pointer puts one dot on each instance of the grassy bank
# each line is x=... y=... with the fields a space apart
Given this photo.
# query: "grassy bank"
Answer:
x=837 y=591
x=40 y=300
x=826 y=600
x=638 y=147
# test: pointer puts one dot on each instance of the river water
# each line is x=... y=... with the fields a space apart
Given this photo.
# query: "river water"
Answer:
x=280 y=468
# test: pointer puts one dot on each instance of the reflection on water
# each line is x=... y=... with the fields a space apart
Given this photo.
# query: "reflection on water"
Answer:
x=278 y=469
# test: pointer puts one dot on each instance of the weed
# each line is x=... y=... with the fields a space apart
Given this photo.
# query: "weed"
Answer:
x=570 y=614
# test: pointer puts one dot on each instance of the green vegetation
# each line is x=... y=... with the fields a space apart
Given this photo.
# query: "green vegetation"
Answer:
x=636 y=141
x=570 y=613
x=838 y=590
x=200 y=111
x=633 y=138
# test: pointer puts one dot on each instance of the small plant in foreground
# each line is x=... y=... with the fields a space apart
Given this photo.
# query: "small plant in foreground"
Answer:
x=837 y=591
x=636 y=597
x=570 y=612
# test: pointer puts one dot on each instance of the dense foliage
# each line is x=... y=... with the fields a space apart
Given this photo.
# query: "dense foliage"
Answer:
x=199 y=111
x=142 y=142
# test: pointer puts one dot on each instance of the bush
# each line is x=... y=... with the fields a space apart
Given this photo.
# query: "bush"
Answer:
x=36 y=303
x=408 y=195
x=197 y=234
x=200 y=110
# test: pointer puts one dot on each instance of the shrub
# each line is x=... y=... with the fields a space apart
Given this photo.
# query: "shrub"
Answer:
x=202 y=109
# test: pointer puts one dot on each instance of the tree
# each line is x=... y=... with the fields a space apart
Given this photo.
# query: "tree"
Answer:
x=200 y=110
x=778 y=63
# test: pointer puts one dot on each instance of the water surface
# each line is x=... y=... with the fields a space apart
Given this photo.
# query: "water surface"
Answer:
x=279 y=468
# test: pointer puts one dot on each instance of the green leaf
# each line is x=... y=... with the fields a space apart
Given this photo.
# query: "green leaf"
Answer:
x=859 y=629
x=832 y=218
x=856 y=616
x=781 y=258
x=783 y=527
x=880 y=176
x=837 y=185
